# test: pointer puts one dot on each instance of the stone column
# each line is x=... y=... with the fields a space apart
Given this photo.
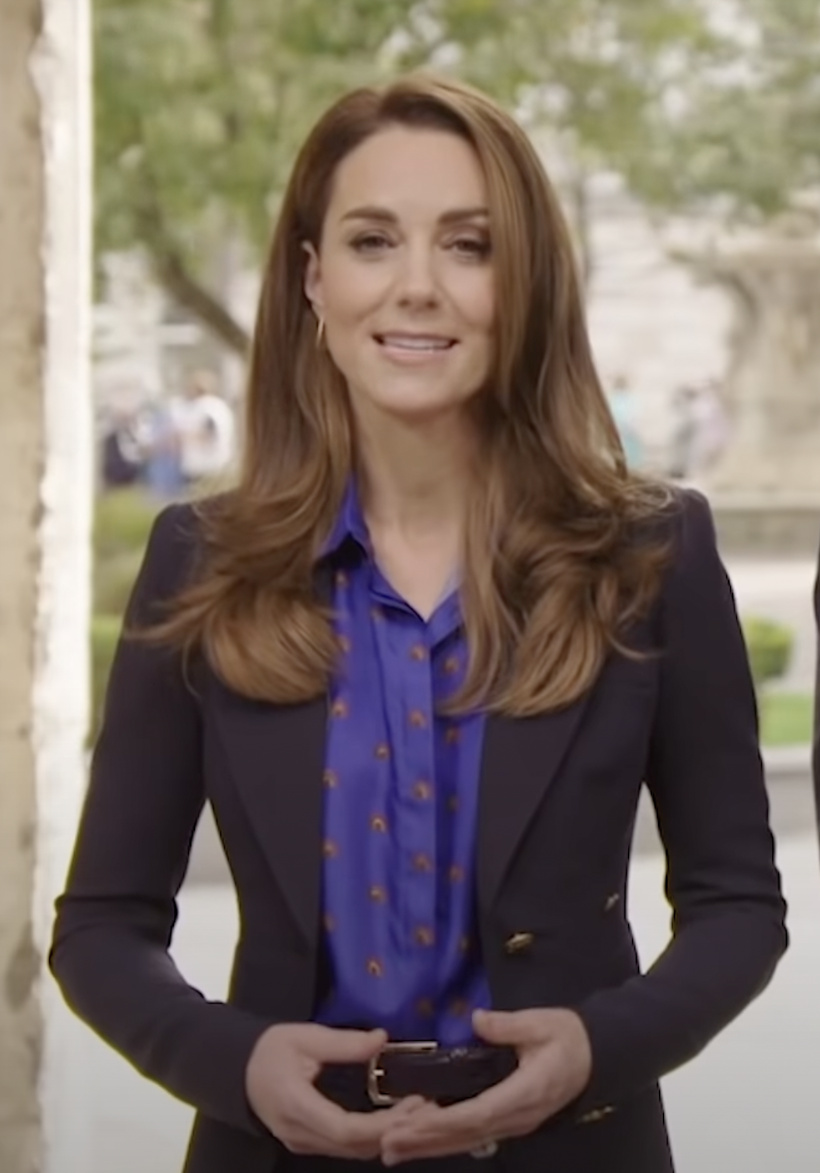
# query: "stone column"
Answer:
x=45 y=446
x=773 y=384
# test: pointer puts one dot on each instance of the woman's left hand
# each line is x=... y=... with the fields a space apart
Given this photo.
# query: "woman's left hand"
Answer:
x=554 y=1067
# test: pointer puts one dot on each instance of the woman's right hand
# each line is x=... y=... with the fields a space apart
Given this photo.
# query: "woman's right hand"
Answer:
x=279 y=1082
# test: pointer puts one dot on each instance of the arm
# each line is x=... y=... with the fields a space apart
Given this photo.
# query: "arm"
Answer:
x=115 y=920
x=706 y=780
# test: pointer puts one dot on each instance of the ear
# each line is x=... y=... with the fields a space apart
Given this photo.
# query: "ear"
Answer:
x=313 y=279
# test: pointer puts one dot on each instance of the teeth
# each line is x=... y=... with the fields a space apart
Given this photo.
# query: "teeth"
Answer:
x=416 y=343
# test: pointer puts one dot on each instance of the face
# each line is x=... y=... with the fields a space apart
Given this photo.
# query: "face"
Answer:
x=403 y=276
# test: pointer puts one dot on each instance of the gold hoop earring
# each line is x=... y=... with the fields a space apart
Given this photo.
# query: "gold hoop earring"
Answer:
x=320 y=333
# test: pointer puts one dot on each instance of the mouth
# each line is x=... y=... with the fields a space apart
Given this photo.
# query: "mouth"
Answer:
x=415 y=343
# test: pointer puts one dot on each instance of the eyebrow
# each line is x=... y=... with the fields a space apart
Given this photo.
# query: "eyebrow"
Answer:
x=385 y=216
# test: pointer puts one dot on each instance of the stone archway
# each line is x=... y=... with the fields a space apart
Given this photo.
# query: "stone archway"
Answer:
x=45 y=465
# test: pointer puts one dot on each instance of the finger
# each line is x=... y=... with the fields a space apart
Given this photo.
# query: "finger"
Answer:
x=516 y=1028
x=509 y=1108
x=329 y=1045
x=408 y=1145
x=323 y=1127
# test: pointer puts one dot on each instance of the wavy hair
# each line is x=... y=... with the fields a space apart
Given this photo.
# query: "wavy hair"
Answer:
x=558 y=555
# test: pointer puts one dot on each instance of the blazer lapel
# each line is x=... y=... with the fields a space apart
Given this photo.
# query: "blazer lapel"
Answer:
x=277 y=753
x=520 y=759
x=276 y=756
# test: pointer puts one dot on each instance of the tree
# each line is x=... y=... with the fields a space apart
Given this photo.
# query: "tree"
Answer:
x=741 y=140
x=592 y=74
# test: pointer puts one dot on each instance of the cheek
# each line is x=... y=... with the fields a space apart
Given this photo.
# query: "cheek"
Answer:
x=478 y=307
x=351 y=291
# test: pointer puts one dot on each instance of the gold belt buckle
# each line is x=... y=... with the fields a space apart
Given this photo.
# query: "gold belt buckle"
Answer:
x=375 y=1072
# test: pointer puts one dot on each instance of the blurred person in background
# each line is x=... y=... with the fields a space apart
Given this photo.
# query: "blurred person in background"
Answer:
x=622 y=406
x=711 y=427
x=206 y=429
x=122 y=457
x=421 y=661
x=684 y=433
x=163 y=473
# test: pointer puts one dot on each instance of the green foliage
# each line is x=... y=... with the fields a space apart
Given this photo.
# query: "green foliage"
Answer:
x=201 y=104
x=744 y=137
x=769 y=645
x=122 y=523
x=786 y=719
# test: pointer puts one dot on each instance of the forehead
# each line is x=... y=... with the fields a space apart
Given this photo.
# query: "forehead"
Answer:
x=407 y=170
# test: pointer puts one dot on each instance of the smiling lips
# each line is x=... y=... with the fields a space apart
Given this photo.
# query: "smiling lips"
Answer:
x=415 y=343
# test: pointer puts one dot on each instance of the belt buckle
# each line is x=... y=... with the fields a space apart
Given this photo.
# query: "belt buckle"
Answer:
x=375 y=1072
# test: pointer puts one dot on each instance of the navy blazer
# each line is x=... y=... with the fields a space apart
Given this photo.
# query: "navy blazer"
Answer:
x=558 y=800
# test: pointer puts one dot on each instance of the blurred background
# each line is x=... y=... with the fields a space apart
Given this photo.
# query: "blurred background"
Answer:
x=683 y=138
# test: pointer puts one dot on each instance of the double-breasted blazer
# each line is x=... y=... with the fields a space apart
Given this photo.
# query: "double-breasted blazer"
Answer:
x=558 y=800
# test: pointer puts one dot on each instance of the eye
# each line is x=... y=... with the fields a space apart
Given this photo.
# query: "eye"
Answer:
x=471 y=247
x=370 y=242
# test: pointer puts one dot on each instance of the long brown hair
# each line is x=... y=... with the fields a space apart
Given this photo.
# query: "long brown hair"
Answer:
x=554 y=568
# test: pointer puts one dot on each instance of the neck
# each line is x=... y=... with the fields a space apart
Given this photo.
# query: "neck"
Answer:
x=416 y=478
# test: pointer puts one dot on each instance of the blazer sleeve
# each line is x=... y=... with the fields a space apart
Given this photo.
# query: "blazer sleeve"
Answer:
x=706 y=780
x=114 y=922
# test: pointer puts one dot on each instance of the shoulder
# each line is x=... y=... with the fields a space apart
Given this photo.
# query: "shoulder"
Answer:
x=692 y=528
x=177 y=542
x=695 y=579
x=680 y=518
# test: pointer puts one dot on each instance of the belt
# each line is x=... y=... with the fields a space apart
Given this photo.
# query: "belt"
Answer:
x=445 y=1075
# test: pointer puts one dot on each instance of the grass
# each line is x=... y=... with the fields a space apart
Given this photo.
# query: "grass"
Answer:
x=786 y=718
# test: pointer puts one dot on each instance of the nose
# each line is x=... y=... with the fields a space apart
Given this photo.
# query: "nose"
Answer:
x=416 y=280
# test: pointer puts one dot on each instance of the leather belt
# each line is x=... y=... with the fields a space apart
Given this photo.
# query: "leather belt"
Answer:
x=445 y=1075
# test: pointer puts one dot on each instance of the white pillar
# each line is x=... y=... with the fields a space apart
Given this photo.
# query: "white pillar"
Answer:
x=45 y=488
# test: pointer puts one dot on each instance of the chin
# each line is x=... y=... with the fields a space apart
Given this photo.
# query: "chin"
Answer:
x=422 y=408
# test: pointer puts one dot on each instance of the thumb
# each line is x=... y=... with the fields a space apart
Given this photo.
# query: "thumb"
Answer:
x=329 y=1045
x=505 y=1028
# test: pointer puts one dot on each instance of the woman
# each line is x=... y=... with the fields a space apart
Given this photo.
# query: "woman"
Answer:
x=420 y=662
